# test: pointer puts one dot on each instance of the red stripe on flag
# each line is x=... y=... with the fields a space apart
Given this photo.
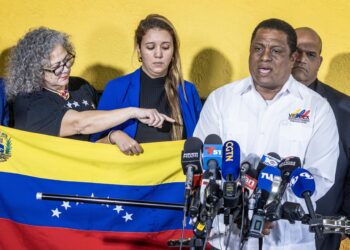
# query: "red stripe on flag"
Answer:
x=16 y=236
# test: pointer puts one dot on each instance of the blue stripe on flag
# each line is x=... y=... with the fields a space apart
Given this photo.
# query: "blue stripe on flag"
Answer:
x=18 y=203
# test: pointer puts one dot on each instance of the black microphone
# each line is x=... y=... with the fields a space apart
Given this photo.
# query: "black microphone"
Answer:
x=273 y=208
x=191 y=161
x=287 y=166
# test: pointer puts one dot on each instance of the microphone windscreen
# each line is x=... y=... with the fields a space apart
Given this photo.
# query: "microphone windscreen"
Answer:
x=253 y=159
x=272 y=159
x=212 y=151
x=193 y=144
x=213 y=139
x=288 y=164
x=265 y=178
x=302 y=181
x=191 y=156
x=231 y=159
x=274 y=155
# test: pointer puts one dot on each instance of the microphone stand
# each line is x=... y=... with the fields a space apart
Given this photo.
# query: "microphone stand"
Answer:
x=108 y=201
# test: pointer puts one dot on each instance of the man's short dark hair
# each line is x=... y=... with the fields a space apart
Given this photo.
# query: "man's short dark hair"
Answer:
x=277 y=24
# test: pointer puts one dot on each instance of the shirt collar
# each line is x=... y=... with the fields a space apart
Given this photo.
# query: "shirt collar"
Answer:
x=290 y=87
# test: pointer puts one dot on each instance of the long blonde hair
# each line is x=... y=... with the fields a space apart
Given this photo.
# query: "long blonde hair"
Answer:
x=174 y=76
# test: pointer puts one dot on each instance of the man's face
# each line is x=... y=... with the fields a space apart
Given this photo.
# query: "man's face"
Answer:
x=308 y=59
x=270 y=60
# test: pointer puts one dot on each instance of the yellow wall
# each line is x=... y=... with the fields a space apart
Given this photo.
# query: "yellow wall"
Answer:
x=214 y=34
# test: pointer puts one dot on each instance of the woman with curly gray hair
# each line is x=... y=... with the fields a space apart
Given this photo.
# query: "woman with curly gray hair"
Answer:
x=48 y=101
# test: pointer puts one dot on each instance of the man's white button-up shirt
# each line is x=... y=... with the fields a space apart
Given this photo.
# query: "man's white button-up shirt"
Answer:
x=296 y=122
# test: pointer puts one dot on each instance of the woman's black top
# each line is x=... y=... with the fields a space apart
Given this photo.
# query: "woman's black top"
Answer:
x=42 y=111
x=153 y=96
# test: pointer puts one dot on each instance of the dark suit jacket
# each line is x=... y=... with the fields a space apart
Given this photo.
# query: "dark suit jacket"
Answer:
x=337 y=200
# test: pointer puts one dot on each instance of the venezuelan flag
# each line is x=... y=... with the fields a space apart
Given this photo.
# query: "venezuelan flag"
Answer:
x=31 y=163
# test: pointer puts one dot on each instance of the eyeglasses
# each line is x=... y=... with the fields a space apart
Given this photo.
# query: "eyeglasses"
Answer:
x=67 y=62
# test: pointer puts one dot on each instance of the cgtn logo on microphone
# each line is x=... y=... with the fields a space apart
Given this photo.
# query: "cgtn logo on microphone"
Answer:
x=228 y=151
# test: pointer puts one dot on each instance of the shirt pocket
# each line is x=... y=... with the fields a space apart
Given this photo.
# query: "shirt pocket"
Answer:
x=293 y=139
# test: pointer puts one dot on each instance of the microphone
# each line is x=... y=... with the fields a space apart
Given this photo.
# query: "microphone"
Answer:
x=212 y=152
x=191 y=164
x=303 y=186
x=273 y=209
x=210 y=192
x=210 y=195
x=231 y=159
x=249 y=174
x=191 y=161
x=212 y=159
x=266 y=177
x=272 y=159
x=288 y=164
x=264 y=187
x=250 y=180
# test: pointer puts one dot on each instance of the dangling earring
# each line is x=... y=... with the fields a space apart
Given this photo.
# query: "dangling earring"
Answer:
x=140 y=59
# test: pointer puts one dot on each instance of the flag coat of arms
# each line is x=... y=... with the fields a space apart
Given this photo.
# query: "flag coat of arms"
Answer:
x=32 y=163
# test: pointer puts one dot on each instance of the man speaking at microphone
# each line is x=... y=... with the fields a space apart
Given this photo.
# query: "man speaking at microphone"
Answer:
x=271 y=112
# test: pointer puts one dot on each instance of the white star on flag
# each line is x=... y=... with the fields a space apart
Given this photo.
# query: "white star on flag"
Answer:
x=65 y=205
x=92 y=195
x=69 y=105
x=56 y=213
x=85 y=102
x=127 y=216
x=93 y=106
x=76 y=104
x=118 y=208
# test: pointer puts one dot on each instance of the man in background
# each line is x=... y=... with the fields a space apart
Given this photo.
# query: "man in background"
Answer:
x=308 y=61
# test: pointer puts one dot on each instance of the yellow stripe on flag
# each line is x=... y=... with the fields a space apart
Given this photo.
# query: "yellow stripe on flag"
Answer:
x=52 y=157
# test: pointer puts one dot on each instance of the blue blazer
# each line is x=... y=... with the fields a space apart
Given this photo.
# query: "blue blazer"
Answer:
x=124 y=92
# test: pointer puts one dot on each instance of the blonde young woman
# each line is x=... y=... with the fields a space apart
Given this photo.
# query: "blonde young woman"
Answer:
x=157 y=84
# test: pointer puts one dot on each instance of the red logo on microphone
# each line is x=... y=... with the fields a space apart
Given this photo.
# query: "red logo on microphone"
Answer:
x=210 y=149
